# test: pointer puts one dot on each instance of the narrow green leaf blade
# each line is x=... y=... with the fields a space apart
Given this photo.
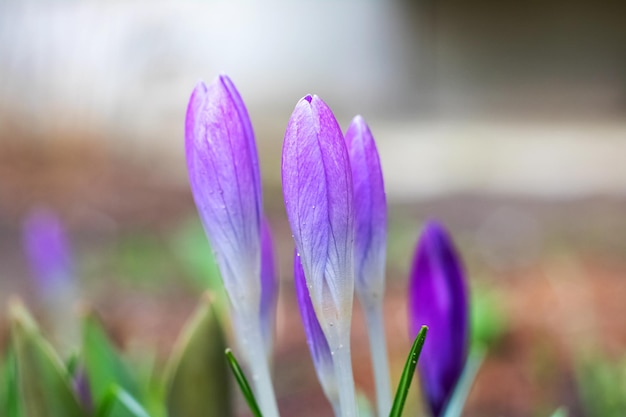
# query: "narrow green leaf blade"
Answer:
x=197 y=383
x=243 y=384
x=120 y=402
x=44 y=384
x=102 y=363
x=407 y=373
x=9 y=397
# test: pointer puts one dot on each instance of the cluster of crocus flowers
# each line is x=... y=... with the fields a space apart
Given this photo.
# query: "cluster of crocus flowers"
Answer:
x=336 y=207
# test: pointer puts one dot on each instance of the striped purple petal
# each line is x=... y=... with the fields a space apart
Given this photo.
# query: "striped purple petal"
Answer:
x=438 y=299
x=224 y=175
x=317 y=187
x=48 y=252
x=370 y=212
x=318 y=345
x=269 y=285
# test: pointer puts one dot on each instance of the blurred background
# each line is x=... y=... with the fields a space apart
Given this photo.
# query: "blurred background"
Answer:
x=504 y=120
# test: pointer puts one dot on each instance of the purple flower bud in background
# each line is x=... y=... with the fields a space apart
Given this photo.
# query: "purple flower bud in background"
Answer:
x=370 y=248
x=370 y=213
x=269 y=286
x=438 y=299
x=318 y=345
x=225 y=181
x=48 y=253
x=49 y=256
x=317 y=187
x=80 y=384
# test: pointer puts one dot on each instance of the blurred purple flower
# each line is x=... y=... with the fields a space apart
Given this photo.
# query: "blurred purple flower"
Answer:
x=225 y=181
x=269 y=285
x=370 y=211
x=317 y=186
x=80 y=383
x=318 y=345
x=438 y=299
x=48 y=252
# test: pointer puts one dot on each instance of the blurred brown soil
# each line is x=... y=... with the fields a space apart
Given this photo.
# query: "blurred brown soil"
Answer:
x=568 y=299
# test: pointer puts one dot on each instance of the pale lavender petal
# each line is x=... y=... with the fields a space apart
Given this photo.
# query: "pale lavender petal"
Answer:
x=317 y=187
x=48 y=252
x=438 y=299
x=318 y=345
x=269 y=285
x=224 y=176
x=370 y=212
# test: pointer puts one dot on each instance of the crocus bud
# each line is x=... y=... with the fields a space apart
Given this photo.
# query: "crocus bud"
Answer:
x=48 y=252
x=318 y=345
x=370 y=213
x=225 y=181
x=438 y=299
x=369 y=248
x=269 y=286
x=317 y=186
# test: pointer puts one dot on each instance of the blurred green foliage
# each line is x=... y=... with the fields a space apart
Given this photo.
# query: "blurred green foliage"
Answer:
x=35 y=382
x=602 y=386
x=488 y=321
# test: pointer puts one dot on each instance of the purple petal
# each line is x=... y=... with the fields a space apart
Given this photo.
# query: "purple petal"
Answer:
x=48 y=252
x=317 y=187
x=318 y=345
x=80 y=384
x=438 y=299
x=224 y=175
x=269 y=285
x=370 y=211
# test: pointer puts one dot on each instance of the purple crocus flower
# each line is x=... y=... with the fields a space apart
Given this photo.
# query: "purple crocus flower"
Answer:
x=269 y=286
x=225 y=181
x=438 y=299
x=318 y=345
x=370 y=248
x=370 y=212
x=317 y=187
x=48 y=252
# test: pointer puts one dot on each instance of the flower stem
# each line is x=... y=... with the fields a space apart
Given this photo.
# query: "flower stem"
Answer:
x=251 y=342
x=378 y=347
x=345 y=380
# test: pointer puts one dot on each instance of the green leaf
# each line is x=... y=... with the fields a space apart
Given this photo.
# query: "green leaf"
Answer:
x=197 y=382
x=463 y=386
x=121 y=403
x=243 y=384
x=407 y=374
x=44 y=384
x=102 y=363
x=9 y=398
